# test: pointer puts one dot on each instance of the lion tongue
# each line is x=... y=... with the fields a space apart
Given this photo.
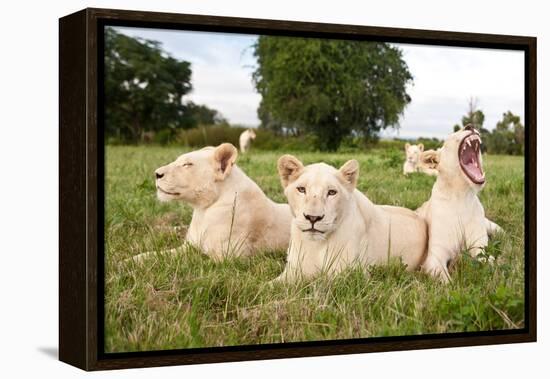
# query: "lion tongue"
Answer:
x=470 y=161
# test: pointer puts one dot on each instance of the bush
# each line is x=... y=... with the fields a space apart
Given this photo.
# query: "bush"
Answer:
x=209 y=136
x=164 y=136
x=430 y=143
x=265 y=139
x=502 y=142
x=213 y=135
x=508 y=137
x=393 y=158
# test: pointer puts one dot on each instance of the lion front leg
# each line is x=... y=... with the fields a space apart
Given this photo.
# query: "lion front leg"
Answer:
x=492 y=228
x=299 y=266
x=479 y=253
x=438 y=260
x=284 y=277
x=436 y=268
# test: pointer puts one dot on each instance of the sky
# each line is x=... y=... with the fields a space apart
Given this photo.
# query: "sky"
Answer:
x=445 y=78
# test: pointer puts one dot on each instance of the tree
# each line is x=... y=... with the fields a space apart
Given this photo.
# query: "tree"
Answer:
x=331 y=88
x=267 y=121
x=202 y=115
x=474 y=116
x=144 y=87
x=508 y=136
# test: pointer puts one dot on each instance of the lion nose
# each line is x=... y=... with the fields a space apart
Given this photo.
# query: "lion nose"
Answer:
x=313 y=219
x=158 y=175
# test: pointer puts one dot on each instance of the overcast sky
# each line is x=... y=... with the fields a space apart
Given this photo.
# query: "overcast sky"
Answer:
x=444 y=79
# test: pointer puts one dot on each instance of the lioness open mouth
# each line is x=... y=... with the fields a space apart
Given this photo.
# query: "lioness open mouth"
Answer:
x=469 y=155
x=168 y=193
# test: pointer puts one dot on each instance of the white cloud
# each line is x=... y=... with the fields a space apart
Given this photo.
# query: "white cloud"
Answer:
x=222 y=66
x=444 y=79
x=227 y=89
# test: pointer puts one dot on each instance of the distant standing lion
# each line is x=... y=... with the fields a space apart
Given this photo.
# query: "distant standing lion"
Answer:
x=246 y=139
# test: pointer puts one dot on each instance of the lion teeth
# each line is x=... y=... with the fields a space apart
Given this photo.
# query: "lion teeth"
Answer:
x=469 y=143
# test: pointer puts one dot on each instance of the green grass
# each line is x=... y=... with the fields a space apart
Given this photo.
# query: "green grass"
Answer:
x=186 y=300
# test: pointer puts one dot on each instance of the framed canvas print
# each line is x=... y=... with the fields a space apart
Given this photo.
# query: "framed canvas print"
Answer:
x=241 y=189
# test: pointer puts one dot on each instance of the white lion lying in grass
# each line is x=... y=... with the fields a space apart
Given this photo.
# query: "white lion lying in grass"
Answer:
x=335 y=226
x=455 y=216
x=414 y=161
x=231 y=214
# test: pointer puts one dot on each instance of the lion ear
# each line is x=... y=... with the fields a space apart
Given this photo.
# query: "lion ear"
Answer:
x=430 y=158
x=421 y=146
x=289 y=168
x=407 y=145
x=225 y=156
x=350 y=172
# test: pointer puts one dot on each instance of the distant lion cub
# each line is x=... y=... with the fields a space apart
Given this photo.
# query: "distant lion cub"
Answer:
x=335 y=226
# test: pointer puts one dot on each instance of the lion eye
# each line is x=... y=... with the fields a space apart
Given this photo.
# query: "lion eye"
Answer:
x=188 y=164
x=301 y=189
x=332 y=192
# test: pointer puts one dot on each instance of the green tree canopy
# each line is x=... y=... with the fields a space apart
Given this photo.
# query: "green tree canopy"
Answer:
x=331 y=88
x=508 y=136
x=202 y=115
x=475 y=116
x=144 y=87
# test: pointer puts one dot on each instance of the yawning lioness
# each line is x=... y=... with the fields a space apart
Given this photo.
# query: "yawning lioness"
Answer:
x=455 y=216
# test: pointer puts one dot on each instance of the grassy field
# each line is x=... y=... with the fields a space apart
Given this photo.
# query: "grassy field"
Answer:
x=186 y=300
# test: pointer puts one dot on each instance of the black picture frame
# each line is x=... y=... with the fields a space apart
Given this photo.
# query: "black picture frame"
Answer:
x=81 y=188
